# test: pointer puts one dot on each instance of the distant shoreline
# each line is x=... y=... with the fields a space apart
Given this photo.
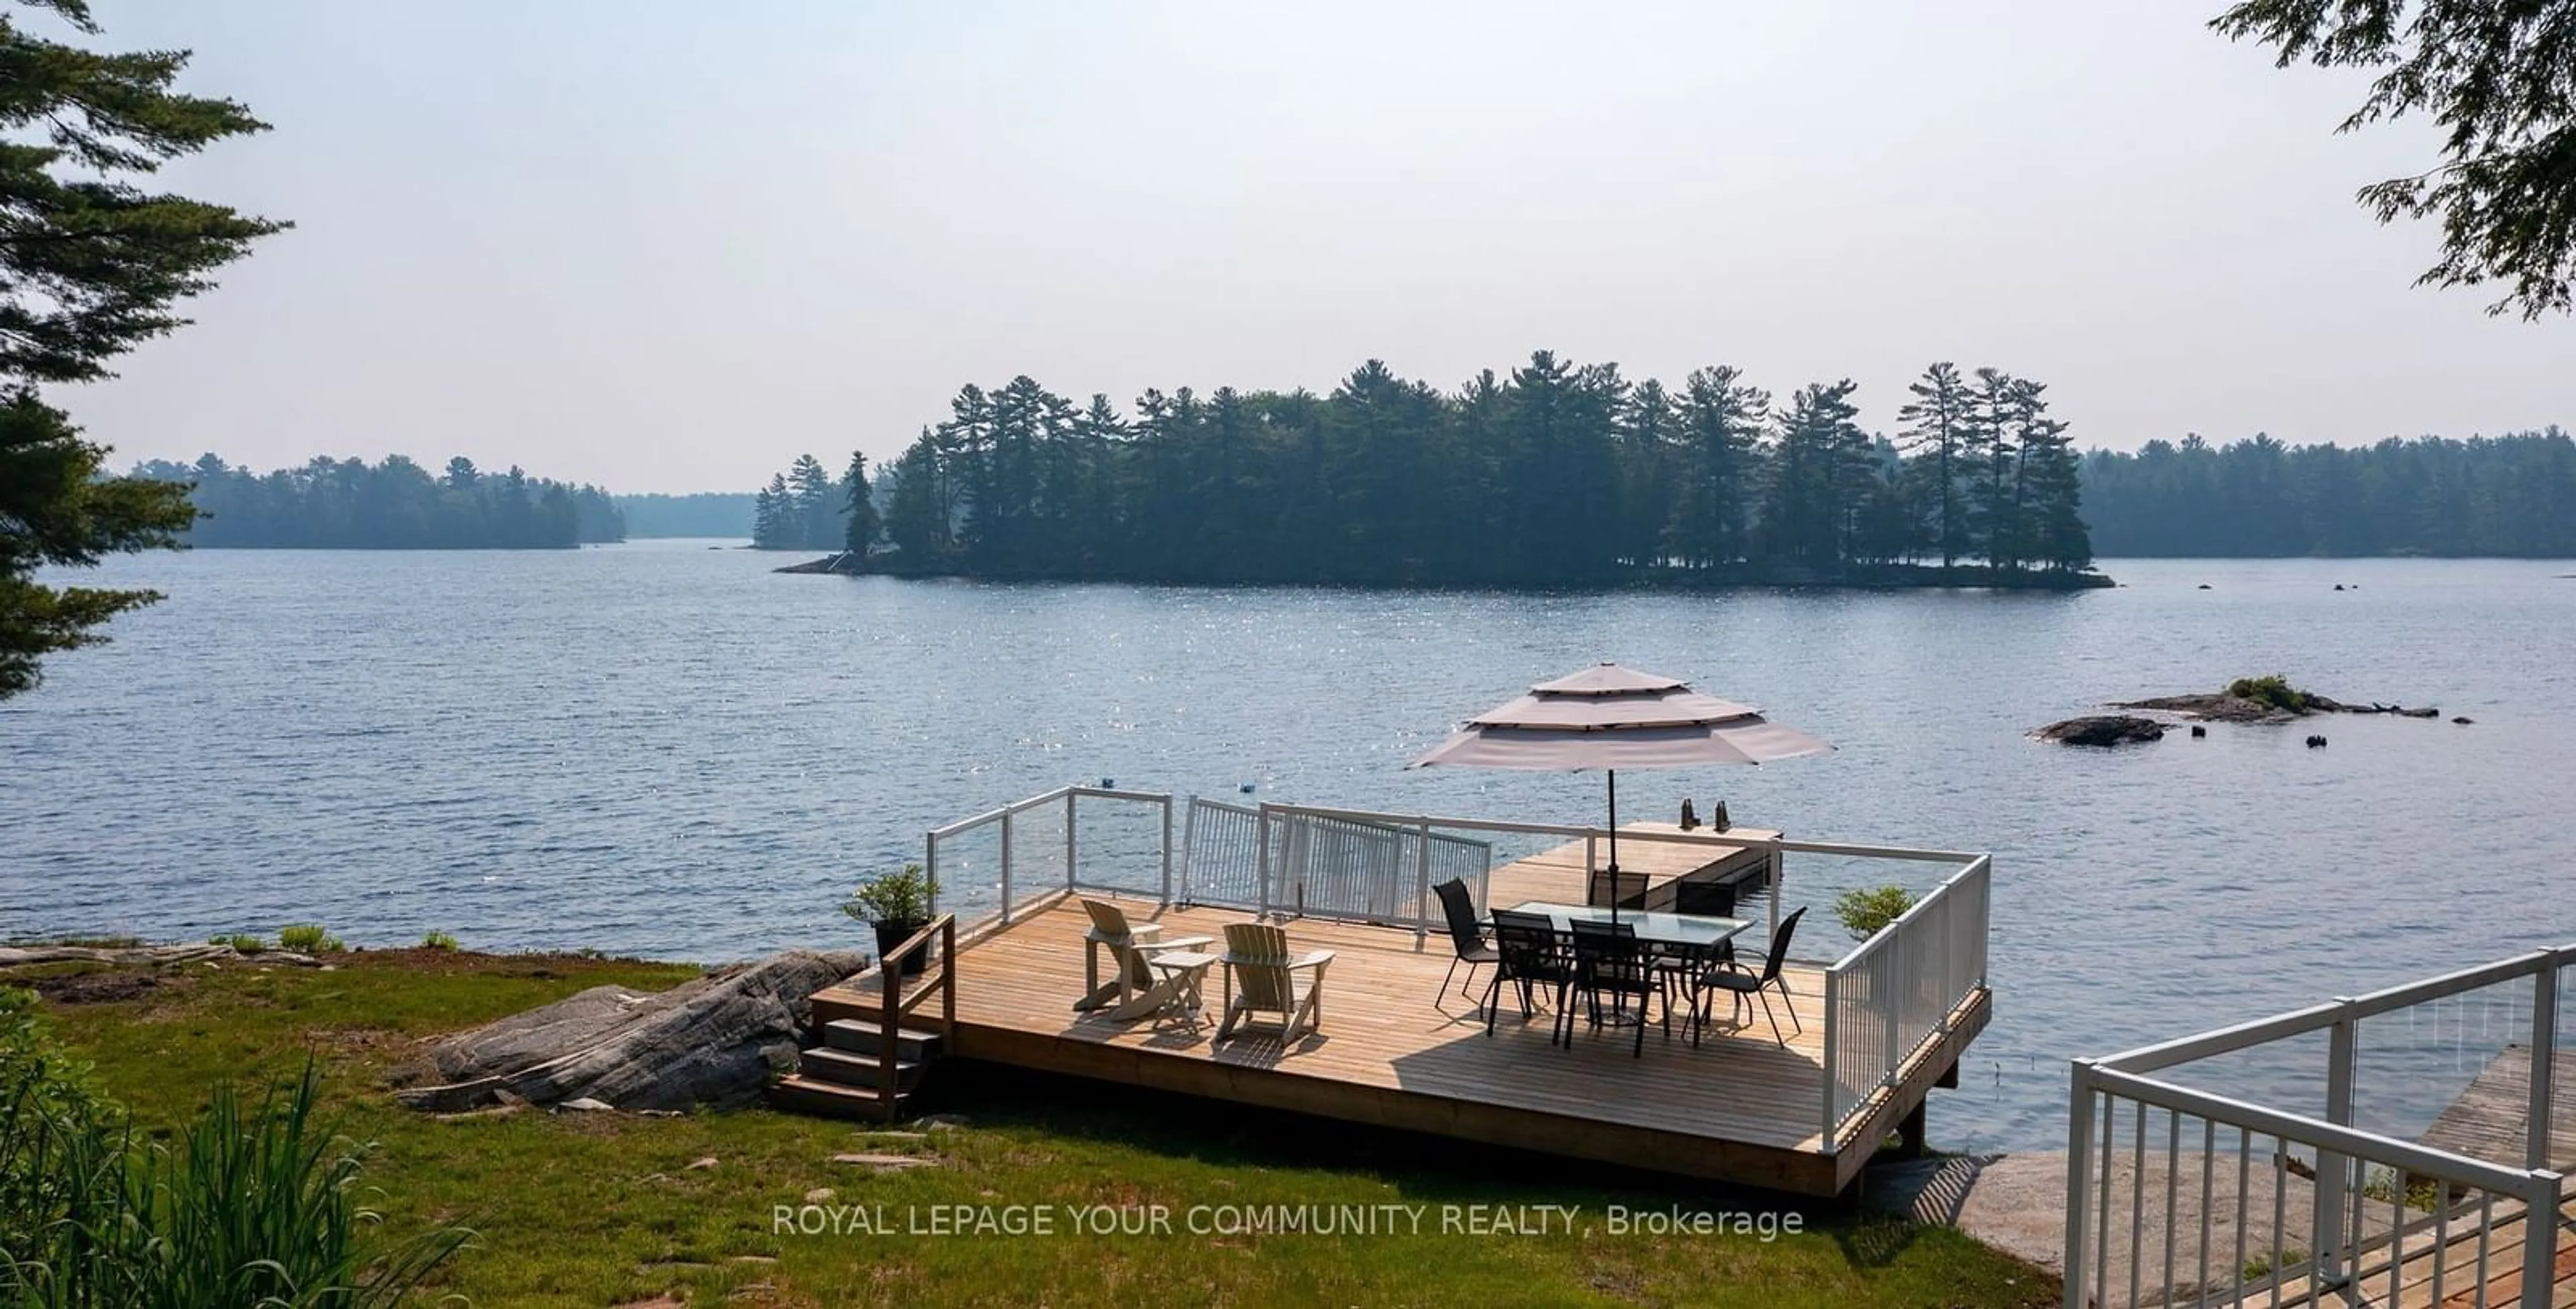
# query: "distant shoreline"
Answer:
x=1767 y=576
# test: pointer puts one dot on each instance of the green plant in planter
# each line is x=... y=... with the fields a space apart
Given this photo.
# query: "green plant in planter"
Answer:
x=897 y=897
x=896 y=904
x=1864 y=912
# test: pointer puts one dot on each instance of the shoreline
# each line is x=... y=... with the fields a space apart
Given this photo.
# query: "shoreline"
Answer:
x=1670 y=581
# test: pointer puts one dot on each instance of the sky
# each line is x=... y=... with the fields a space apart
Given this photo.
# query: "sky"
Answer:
x=668 y=247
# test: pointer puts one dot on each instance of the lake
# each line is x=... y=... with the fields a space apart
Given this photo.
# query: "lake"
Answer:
x=664 y=748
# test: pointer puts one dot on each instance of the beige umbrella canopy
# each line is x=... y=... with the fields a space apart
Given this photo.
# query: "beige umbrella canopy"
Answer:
x=1610 y=717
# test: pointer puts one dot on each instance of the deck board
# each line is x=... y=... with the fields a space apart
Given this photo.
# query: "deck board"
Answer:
x=1398 y=1050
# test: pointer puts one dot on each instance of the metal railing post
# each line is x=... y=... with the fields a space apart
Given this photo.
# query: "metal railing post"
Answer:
x=1006 y=857
x=1072 y=855
x=2334 y=1180
x=1189 y=843
x=1773 y=929
x=930 y=868
x=1833 y=1095
x=1167 y=850
x=1422 y=883
x=2544 y=1060
x=1891 y=1008
x=2540 y=1239
x=2079 y=1179
x=1261 y=863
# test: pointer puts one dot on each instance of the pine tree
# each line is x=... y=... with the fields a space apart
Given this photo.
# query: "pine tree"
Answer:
x=859 y=512
x=1721 y=422
x=815 y=504
x=1819 y=476
x=917 y=519
x=1987 y=441
x=90 y=265
x=776 y=520
x=1938 y=424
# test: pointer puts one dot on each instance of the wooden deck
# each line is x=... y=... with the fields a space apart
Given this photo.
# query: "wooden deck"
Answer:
x=2411 y=1285
x=1396 y=1050
x=2491 y=1121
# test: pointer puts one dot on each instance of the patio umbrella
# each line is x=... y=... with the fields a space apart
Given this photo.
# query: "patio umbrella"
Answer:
x=1611 y=718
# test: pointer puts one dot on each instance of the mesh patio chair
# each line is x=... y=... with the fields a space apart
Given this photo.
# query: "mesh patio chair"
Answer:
x=1609 y=961
x=1739 y=984
x=1529 y=955
x=1466 y=935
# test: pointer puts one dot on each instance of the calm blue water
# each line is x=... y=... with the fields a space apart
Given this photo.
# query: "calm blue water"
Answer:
x=667 y=749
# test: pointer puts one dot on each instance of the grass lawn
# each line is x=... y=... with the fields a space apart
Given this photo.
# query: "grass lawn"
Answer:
x=607 y=1209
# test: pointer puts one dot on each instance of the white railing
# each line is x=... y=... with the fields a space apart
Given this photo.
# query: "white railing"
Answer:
x=1341 y=865
x=1053 y=841
x=2166 y=1216
x=1221 y=857
x=1902 y=988
x=1884 y=1001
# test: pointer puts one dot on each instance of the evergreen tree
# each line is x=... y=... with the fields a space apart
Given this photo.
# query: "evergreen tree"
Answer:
x=90 y=266
x=816 y=506
x=776 y=520
x=859 y=512
x=917 y=520
x=1721 y=433
x=1987 y=441
x=1819 y=475
x=1938 y=424
x=2500 y=78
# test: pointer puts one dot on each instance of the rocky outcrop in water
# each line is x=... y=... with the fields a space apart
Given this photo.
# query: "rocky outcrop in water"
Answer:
x=2103 y=730
x=2221 y=707
x=716 y=1041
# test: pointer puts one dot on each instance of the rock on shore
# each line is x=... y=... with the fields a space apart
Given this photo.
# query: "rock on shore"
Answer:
x=714 y=1041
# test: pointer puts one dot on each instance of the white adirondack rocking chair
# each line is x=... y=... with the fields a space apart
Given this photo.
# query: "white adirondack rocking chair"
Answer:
x=1135 y=990
x=1260 y=978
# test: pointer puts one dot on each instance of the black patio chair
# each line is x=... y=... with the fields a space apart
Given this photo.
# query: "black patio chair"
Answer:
x=1708 y=900
x=1466 y=935
x=1609 y=961
x=1739 y=983
x=1530 y=955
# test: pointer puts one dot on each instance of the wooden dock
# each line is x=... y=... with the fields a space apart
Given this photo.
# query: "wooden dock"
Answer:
x=1398 y=1050
x=2492 y=1118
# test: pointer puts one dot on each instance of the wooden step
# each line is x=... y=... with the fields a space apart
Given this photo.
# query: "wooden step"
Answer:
x=840 y=1066
x=863 y=1036
x=806 y=1095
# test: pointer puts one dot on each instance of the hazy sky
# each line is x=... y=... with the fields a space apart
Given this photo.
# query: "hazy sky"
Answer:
x=667 y=247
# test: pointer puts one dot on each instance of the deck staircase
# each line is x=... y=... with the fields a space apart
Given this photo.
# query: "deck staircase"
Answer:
x=844 y=1076
x=870 y=1055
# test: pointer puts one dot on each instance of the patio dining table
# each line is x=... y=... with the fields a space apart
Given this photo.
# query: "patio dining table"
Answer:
x=1682 y=937
x=1697 y=932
